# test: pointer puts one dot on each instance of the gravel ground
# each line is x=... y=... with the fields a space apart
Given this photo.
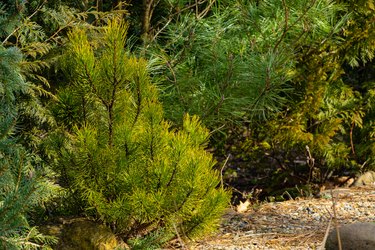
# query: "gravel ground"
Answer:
x=294 y=224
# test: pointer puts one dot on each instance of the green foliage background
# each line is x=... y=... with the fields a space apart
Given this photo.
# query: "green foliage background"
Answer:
x=280 y=69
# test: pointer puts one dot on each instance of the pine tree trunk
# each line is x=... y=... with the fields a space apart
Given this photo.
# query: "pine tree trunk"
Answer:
x=147 y=14
x=99 y=5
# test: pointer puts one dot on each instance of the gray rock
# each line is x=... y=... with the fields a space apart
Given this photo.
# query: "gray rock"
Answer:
x=357 y=236
x=367 y=178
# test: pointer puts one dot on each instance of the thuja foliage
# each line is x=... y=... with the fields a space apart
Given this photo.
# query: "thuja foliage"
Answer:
x=22 y=186
x=331 y=110
x=128 y=167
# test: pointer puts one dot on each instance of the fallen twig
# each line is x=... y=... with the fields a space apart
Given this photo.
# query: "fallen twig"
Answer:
x=322 y=246
x=335 y=219
x=221 y=171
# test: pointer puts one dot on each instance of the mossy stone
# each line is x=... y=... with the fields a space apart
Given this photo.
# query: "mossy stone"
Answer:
x=81 y=234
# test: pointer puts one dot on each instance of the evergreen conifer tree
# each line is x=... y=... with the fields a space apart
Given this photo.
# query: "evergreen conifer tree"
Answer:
x=21 y=186
x=131 y=170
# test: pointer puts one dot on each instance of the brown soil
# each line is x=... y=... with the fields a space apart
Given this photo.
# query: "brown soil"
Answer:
x=293 y=224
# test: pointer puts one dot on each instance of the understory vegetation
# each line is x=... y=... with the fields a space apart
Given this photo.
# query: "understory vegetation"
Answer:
x=150 y=116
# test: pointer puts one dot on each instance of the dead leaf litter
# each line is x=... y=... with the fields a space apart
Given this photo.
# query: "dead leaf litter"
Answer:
x=293 y=224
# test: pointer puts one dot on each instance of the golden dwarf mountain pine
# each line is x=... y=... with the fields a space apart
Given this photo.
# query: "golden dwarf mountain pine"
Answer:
x=131 y=170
